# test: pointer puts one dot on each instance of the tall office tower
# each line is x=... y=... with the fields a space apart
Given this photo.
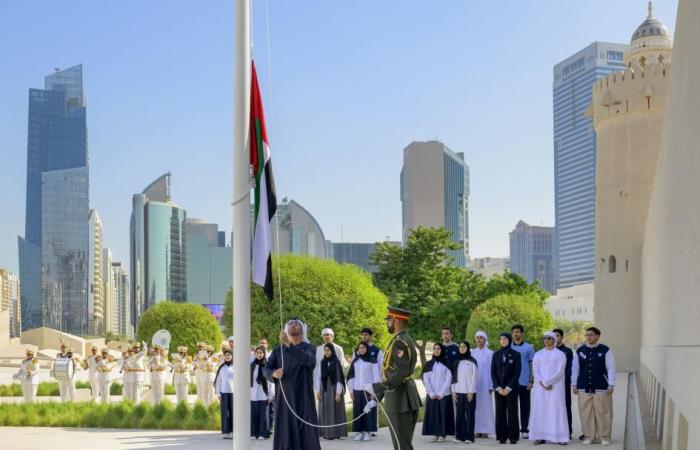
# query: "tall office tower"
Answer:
x=575 y=159
x=356 y=253
x=111 y=304
x=158 y=249
x=53 y=253
x=96 y=294
x=123 y=299
x=10 y=300
x=531 y=254
x=435 y=193
x=209 y=263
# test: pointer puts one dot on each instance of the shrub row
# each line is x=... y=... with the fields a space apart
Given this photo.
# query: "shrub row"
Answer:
x=164 y=415
x=50 y=389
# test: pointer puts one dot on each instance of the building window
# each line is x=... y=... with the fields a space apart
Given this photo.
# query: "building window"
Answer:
x=627 y=265
x=612 y=264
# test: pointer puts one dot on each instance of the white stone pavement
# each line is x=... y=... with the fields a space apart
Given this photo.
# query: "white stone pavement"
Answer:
x=29 y=438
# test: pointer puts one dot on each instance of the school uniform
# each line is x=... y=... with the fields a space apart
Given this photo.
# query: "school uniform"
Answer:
x=463 y=384
x=223 y=385
x=439 y=418
x=593 y=370
x=261 y=394
x=364 y=371
x=505 y=371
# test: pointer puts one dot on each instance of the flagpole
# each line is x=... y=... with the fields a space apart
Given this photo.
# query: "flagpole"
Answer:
x=241 y=227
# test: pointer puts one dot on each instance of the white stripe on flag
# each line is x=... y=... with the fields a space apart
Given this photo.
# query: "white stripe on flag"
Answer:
x=263 y=236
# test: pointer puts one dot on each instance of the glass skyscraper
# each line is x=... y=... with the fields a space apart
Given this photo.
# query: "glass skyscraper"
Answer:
x=209 y=263
x=53 y=254
x=575 y=158
x=435 y=193
x=158 y=249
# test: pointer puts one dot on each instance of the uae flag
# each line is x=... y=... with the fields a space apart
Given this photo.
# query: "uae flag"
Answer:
x=265 y=196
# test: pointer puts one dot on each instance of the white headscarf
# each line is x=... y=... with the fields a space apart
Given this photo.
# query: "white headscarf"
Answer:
x=551 y=334
x=483 y=335
x=304 y=333
x=327 y=331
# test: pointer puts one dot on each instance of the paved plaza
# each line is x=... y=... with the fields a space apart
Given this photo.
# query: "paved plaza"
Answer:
x=27 y=438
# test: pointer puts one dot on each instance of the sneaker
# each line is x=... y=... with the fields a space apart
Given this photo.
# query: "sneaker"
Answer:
x=366 y=437
x=587 y=442
x=524 y=435
x=358 y=437
x=468 y=441
x=260 y=438
x=604 y=442
x=228 y=436
x=435 y=439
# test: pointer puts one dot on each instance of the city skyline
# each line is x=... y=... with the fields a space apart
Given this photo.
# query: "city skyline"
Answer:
x=157 y=130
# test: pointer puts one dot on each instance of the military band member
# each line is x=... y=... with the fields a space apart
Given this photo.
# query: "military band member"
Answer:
x=158 y=368
x=126 y=376
x=200 y=364
x=137 y=368
x=63 y=350
x=397 y=388
x=182 y=364
x=30 y=380
x=105 y=364
x=91 y=365
x=213 y=363
x=66 y=385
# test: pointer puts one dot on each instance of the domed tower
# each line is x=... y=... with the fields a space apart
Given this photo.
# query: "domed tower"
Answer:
x=627 y=111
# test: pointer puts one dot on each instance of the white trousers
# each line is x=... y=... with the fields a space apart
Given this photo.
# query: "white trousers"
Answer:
x=29 y=391
x=94 y=387
x=157 y=390
x=67 y=389
x=136 y=388
x=204 y=388
x=126 y=391
x=181 y=392
x=104 y=390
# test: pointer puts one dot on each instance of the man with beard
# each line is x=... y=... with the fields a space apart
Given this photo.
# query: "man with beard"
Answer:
x=291 y=367
x=401 y=399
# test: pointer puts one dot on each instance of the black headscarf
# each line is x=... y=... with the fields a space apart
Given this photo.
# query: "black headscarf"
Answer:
x=508 y=336
x=225 y=363
x=442 y=359
x=331 y=368
x=468 y=356
x=366 y=358
x=260 y=363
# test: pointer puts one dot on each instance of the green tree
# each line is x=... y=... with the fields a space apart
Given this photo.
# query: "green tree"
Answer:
x=574 y=331
x=323 y=294
x=421 y=276
x=187 y=323
x=503 y=311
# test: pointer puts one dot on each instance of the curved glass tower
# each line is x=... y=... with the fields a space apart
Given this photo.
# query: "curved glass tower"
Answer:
x=158 y=249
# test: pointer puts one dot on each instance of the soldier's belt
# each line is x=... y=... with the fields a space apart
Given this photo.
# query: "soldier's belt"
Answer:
x=105 y=370
x=157 y=370
x=137 y=370
x=181 y=371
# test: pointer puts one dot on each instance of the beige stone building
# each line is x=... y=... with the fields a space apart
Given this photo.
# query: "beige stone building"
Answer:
x=575 y=303
x=628 y=113
x=10 y=302
x=489 y=266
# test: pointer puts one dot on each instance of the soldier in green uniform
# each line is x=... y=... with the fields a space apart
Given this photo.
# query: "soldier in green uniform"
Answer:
x=397 y=388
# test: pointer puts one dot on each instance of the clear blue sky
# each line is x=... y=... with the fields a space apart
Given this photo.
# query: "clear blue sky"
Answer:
x=353 y=83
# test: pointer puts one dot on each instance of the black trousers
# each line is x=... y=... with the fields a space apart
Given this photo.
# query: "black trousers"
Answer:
x=403 y=424
x=507 y=417
x=568 y=406
x=226 y=413
x=524 y=399
x=259 y=419
x=464 y=422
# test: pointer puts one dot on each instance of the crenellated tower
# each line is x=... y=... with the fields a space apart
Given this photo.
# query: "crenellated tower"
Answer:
x=628 y=112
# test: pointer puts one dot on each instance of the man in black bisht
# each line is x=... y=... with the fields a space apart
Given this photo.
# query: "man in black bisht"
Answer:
x=291 y=368
x=567 y=372
x=505 y=371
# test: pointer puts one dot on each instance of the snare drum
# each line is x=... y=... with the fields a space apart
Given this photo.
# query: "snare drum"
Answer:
x=64 y=369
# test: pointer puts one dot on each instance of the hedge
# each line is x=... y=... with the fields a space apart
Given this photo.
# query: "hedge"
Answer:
x=50 y=389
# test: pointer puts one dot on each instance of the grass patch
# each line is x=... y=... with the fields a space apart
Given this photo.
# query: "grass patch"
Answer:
x=50 y=389
x=114 y=415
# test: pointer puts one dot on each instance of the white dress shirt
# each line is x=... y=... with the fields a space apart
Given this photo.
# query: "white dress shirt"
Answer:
x=438 y=382
x=256 y=392
x=366 y=374
x=224 y=381
x=466 y=378
x=317 y=380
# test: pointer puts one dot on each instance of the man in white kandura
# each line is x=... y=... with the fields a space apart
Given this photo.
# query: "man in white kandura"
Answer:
x=548 y=422
x=30 y=380
x=328 y=337
x=91 y=365
x=485 y=423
